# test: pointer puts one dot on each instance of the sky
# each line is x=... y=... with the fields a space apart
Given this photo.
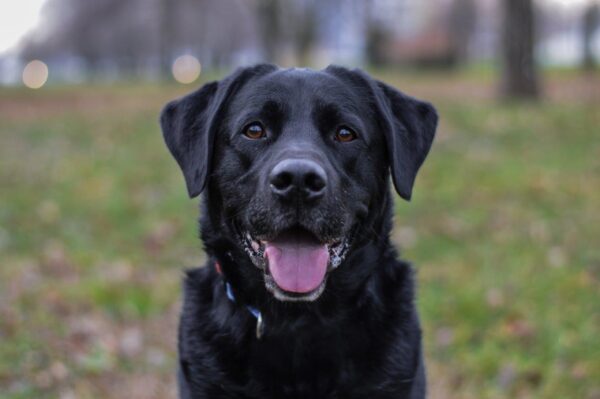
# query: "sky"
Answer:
x=17 y=17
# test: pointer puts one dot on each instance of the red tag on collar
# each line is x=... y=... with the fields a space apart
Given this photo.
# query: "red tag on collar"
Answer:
x=218 y=267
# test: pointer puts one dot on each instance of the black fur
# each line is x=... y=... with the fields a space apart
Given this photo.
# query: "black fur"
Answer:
x=361 y=338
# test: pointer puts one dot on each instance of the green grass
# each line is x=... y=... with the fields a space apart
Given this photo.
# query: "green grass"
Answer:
x=503 y=228
x=508 y=225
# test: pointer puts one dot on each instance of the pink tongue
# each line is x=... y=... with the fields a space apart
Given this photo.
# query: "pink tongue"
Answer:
x=297 y=266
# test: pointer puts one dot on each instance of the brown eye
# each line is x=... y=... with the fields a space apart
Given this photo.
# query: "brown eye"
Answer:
x=345 y=135
x=255 y=131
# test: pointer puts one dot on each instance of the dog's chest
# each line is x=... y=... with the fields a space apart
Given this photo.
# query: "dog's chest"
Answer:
x=351 y=356
x=311 y=364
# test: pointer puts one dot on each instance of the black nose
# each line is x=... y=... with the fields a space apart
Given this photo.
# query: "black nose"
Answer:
x=298 y=178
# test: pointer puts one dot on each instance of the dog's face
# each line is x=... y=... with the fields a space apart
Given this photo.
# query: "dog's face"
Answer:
x=298 y=162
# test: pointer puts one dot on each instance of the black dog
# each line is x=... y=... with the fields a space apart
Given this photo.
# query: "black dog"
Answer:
x=302 y=296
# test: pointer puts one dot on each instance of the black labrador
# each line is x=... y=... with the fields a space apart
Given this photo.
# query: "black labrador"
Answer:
x=303 y=295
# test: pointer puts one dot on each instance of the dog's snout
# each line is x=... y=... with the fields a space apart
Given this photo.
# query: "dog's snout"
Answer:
x=298 y=178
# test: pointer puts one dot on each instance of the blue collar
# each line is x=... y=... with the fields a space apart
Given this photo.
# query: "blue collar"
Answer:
x=260 y=325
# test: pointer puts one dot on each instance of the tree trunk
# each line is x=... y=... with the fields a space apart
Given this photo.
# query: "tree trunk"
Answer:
x=269 y=27
x=462 y=24
x=305 y=32
x=166 y=30
x=519 y=72
x=591 y=19
x=377 y=37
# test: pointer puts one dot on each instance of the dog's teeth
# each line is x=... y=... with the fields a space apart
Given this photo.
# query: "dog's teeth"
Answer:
x=335 y=260
x=255 y=245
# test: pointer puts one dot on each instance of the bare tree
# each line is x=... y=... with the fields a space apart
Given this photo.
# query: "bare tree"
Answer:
x=270 y=28
x=166 y=35
x=137 y=36
x=462 y=23
x=305 y=29
x=591 y=20
x=377 y=37
x=519 y=71
x=80 y=29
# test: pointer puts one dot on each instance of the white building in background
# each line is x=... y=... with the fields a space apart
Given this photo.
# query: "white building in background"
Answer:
x=341 y=41
x=10 y=70
x=338 y=40
x=564 y=48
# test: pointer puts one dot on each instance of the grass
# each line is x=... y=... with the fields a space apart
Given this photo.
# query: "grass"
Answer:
x=95 y=228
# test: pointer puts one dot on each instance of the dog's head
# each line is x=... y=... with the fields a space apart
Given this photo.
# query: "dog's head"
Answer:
x=295 y=162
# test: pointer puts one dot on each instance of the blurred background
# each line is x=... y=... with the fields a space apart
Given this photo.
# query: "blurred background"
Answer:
x=96 y=227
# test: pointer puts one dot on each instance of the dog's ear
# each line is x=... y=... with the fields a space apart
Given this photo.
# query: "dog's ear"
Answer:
x=409 y=127
x=407 y=123
x=189 y=124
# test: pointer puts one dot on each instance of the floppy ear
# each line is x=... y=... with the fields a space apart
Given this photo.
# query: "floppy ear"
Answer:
x=189 y=124
x=407 y=123
x=409 y=128
x=186 y=129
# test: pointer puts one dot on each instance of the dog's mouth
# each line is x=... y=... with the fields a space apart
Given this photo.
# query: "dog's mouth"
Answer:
x=295 y=262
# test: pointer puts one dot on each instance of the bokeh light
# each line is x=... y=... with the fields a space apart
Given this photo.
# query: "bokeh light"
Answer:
x=35 y=74
x=186 y=69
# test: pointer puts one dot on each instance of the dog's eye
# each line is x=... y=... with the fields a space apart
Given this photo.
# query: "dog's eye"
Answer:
x=345 y=135
x=254 y=131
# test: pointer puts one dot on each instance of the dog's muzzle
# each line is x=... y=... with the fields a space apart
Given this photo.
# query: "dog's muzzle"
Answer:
x=295 y=263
